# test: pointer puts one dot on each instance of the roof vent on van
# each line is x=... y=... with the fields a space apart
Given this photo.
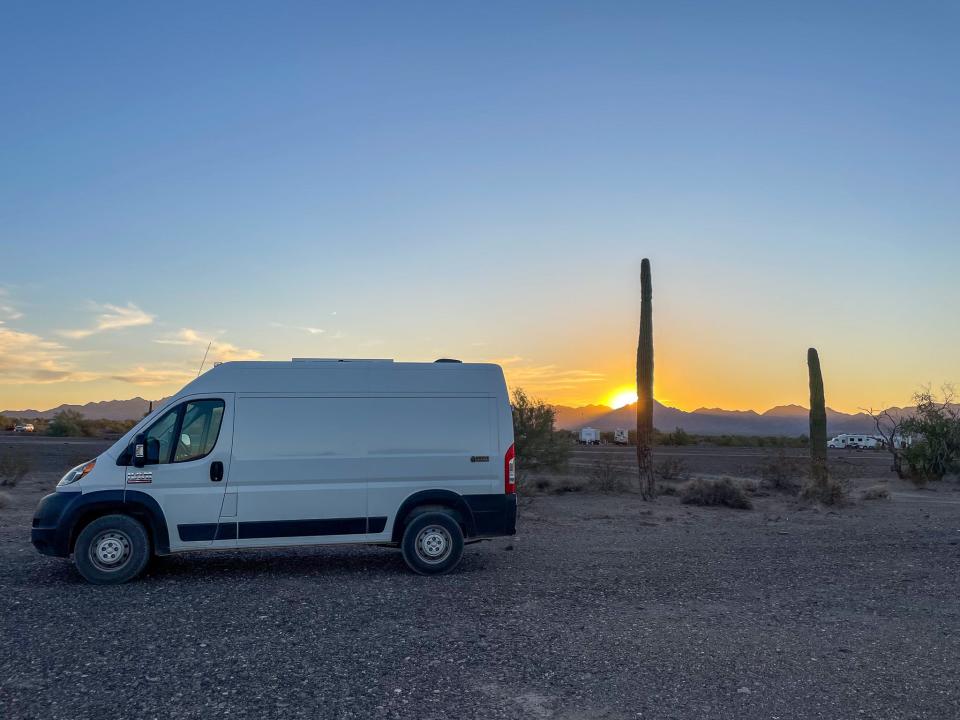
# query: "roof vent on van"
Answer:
x=448 y=360
x=320 y=360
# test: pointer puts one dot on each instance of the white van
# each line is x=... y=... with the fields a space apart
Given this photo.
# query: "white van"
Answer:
x=309 y=452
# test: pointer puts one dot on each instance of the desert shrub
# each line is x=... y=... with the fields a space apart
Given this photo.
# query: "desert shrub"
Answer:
x=935 y=426
x=607 y=477
x=723 y=492
x=14 y=467
x=877 y=492
x=7 y=423
x=781 y=472
x=833 y=491
x=678 y=437
x=671 y=469
x=5 y=500
x=67 y=423
x=537 y=444
x=663 y=489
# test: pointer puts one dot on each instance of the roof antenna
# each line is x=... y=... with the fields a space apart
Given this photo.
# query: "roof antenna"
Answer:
x=204 y=358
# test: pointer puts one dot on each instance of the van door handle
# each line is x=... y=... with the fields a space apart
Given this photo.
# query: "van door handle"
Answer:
x=216 y=471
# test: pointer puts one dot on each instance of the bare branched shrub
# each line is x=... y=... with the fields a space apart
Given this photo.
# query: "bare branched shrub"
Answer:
x=723 y=492
x=672 y=469
x=607 y=477
x=14 y=467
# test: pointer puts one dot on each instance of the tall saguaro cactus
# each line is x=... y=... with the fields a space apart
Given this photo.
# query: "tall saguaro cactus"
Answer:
x=645 y=385
x=818 y=424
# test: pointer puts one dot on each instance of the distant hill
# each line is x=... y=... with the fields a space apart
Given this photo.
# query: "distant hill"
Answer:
x=788 y=420
x=132 y=409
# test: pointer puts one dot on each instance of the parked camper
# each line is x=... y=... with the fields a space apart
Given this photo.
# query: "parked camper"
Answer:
x=589 y=436
x=846 y=440
x=418 y=456
x=621 y=436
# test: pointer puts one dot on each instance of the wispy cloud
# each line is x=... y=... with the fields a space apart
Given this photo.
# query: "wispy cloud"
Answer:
x=112 y=317
x=301 y=328
x=141 y=375
x=28 y=358
x=220 y=351
x=545 y=378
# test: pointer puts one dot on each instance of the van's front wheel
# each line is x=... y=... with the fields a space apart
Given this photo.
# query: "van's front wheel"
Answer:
x=112 y=550
x=432 y=543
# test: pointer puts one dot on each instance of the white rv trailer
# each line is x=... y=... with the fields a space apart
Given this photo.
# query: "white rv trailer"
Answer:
x=847 y=440
x=309 y=452
x=621 y=436
x=589 y=436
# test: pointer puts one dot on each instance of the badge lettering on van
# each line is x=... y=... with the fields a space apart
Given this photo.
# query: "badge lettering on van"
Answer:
x=479 y=458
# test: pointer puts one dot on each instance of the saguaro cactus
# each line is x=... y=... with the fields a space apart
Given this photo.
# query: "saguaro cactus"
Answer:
x=645 y=385
x=818 y=424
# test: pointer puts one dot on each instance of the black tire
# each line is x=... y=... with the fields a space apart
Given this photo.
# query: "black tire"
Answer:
x=432 y=543
x=112 y=550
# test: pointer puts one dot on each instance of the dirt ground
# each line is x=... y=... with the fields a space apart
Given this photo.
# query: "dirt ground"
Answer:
x=603 y=606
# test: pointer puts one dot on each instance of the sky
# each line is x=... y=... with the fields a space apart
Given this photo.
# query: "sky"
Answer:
x=480 y=181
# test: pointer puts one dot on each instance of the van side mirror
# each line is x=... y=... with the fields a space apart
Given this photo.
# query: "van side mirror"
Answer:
x=139 y=450
x=153 y=451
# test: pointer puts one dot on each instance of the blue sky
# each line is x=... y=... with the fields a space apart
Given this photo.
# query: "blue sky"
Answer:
x=480 y=181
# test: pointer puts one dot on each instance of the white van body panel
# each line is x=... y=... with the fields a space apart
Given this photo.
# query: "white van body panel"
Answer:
x=326 y=445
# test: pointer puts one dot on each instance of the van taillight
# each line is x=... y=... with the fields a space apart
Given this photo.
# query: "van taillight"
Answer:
x=510 y=471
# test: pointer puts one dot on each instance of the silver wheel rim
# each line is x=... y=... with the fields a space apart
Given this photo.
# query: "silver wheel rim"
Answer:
x=110 y=550
x=434 y=544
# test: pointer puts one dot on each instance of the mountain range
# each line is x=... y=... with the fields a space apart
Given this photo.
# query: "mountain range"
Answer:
x=782 y=420
x=788 y=420
x=132 y=409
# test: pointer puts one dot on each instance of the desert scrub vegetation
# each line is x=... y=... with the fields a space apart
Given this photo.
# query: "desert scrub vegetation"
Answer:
x=782 y=472
x=538 y=444
x=719 y=492
x=14 y=467
x=606 y=476
x=672 y=469
x=875 y=492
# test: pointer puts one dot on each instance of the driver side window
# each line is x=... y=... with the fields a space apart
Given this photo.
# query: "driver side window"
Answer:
x=160 y=438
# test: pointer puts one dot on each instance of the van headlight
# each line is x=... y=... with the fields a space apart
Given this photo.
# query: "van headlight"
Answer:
x=76 y=473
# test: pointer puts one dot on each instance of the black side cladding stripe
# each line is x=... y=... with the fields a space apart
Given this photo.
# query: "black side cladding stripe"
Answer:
x=201 y=532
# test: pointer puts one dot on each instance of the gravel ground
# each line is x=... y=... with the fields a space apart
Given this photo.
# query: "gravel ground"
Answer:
x=603 y=607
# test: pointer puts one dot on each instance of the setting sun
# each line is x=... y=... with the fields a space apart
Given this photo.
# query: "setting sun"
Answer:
x=622 y=397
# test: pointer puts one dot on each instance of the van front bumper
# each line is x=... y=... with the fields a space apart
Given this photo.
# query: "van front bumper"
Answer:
x=49 y=534
x=493 y=515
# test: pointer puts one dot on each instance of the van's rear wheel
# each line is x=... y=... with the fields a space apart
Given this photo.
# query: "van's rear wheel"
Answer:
x=432 y=543
x=112 y=550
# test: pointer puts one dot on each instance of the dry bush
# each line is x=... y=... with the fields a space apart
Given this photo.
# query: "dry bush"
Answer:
x=663 y=489
x=672 y=469
x=539 y=484
x=782 y=472
x=834 y=491
x=606 y=477
x=5 y=500
x=14 y=467
x=723 y=492
x=876 y=492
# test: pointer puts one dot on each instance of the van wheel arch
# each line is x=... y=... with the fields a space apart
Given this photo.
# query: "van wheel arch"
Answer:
x=434 y=501
x=141 y=507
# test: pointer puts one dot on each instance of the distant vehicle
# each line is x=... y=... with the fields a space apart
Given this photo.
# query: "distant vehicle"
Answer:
x=589 y=436
x=621 y=436
x=417 y=456
x=855 y=442
x=26 y=427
